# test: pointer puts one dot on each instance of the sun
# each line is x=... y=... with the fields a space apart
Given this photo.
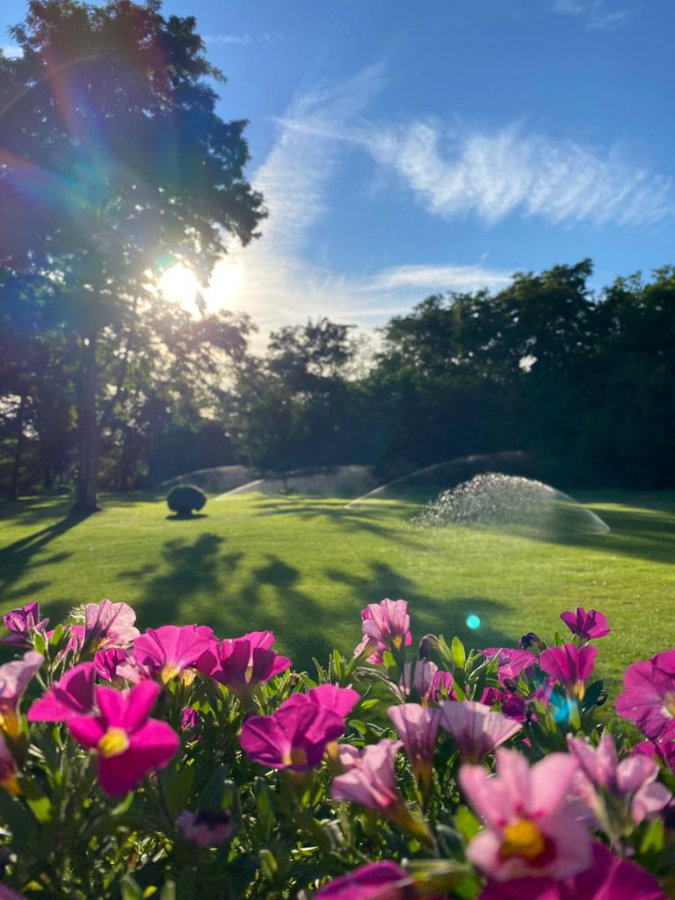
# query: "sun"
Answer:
x=180 y=285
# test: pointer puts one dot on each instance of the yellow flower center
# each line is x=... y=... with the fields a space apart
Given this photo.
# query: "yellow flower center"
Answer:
x=114 y=742
x=398 y=642
x=187 y=676
x=669 y=704
x=11 y=784
x=523 y=839
x=10 y=723
x=579 y=690
x=168 y=673
x=296 y=756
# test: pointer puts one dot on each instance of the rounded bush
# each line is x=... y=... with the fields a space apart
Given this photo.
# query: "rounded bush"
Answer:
x=185 y=498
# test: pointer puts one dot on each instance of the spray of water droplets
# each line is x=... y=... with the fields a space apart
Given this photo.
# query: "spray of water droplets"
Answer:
x=508 y=501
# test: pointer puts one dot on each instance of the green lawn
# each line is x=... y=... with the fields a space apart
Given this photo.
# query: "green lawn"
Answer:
x=305 y=567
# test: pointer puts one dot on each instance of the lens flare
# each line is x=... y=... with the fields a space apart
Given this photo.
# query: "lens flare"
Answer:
x=472 y=622
x=180 y=285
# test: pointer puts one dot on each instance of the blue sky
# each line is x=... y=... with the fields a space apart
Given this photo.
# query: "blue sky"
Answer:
x=405 y=149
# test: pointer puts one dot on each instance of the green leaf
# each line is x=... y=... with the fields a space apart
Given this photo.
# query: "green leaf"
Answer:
x=178 y=789
x=168 y=891
x=458 y=653
x=369 y=704
x=130 y=889
x=466 y=823
x=654 y=838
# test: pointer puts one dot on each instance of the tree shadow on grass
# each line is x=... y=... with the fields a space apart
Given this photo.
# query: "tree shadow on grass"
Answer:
x=189 y=569
x=338 y=514
x=17 y=557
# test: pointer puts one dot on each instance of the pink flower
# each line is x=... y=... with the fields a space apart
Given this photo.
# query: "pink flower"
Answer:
x=327 y=696
x=167 y=651
x=648 y=696
x=70 y=696
x=7 y=893
x=443 y=686
x=191 y=719
x=205 y=829
x=243 y=664
x=586 y=625
x=128 y=743
x=374 y=881
x=20 y=623
x=109 y=624
x=663 y=747
x=477 y=730
x=8 y=778
x=14 y=678
x=420 y=678
x=530 y=829
x=386 y=626
x=608 y=878
x=569 y=666
x=511 y=661
x=633 y=779
x=417 y=727
x=294 y=737
x=107 y=662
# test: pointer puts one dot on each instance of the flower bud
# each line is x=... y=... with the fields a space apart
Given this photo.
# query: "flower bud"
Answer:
x=531 y=641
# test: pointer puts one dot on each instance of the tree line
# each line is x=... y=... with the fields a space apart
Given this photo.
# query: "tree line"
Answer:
x=584 y=381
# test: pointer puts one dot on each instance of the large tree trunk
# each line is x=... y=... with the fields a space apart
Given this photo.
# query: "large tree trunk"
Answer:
x=13 y=491
x=88 y=432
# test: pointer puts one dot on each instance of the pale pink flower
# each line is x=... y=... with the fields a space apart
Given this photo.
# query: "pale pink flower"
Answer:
x=419 y=677
x=530 y=830
x=14 y=678
x=632 y=780
x=20 y=622
x=417 y=727
x=385 y=626
x=476 y=729
x=109 y=624
x=648 y=696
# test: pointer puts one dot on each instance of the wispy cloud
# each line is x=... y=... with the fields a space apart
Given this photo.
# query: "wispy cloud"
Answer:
x=494 y=175
x=597 y=14
x=276 y=284
x=241 y=39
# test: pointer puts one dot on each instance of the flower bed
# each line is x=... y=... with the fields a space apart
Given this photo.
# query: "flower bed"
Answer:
x=175 y=764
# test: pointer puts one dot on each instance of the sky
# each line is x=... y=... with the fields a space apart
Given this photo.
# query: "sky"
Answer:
x=410 y=149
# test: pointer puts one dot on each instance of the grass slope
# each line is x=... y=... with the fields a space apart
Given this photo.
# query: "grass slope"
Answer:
x=305 y=567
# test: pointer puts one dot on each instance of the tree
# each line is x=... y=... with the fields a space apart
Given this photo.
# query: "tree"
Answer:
x=114 y=163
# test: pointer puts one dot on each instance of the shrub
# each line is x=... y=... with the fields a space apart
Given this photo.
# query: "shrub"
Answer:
x=185 y=499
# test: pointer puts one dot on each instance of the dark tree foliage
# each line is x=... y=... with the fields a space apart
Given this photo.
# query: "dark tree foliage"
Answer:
x=113 y=163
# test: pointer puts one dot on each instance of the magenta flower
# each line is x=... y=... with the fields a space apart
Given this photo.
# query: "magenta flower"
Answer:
x=663 y=747
x=385 y=626
x=14 y=678
x=608 y=878
x=443 y=687
x=587 y=625
x=191 y=720
x=327 y=696
x=128 y=743
x=242 y=664
x=107 y=662
x=530 y=830
x=417 y=727
x=569 y=666
x=208 y=828
x=632 y=780
x=8 y=777
x=476 y=729
x=109 y=624
x=294 y=737
x=167 y=651
x=374 y=881
x=648 y=696
x=20 y=623
x=70 y=696
x=512 y=661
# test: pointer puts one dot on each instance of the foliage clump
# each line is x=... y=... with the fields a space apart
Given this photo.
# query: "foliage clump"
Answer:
x=185 y=499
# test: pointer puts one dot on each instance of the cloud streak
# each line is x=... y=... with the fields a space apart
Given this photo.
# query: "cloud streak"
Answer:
x=494 y=175
x=595 y=13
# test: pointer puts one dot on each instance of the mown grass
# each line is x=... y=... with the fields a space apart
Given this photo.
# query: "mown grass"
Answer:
x=304 y=567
